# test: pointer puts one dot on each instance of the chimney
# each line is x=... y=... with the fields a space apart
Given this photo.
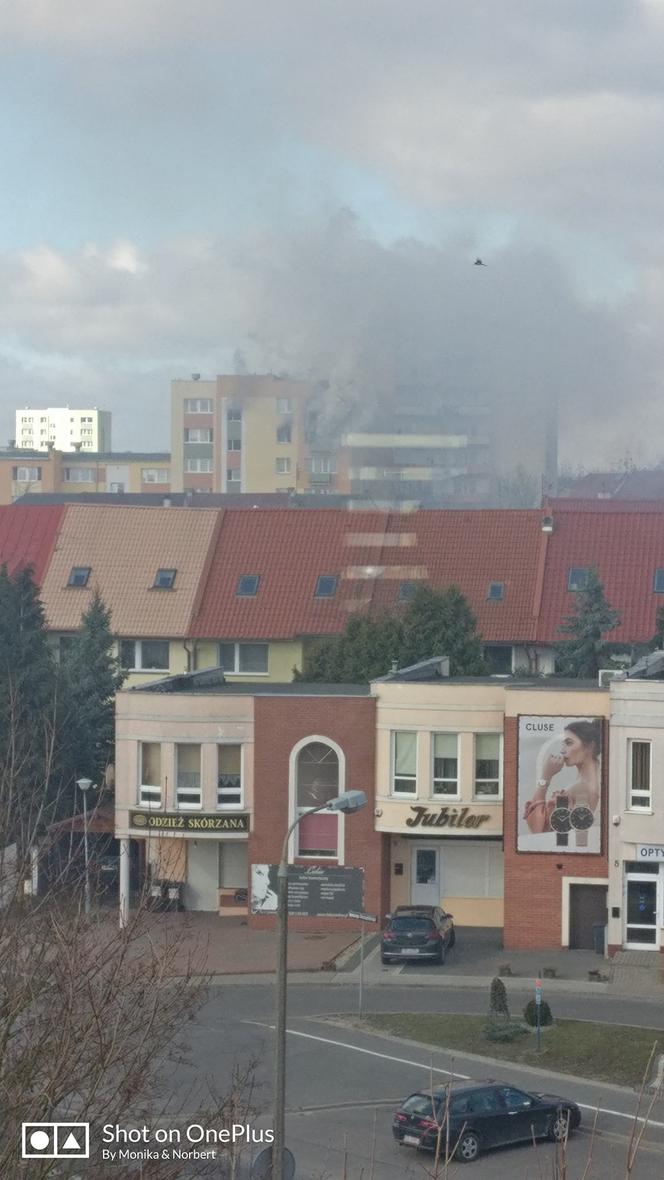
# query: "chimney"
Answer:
x=195 y=376
x=12 y=443
x=77 y=446
x=166 y=502
x=50 y=446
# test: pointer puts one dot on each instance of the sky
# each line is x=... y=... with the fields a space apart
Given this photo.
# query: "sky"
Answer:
x=306 y=184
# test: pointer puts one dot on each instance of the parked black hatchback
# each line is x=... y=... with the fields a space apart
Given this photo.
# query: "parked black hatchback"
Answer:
x=417 y=932
x=481 y=1115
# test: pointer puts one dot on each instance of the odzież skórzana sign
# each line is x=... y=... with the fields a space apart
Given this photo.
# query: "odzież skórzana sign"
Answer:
x=175 y=821
x=445 y=817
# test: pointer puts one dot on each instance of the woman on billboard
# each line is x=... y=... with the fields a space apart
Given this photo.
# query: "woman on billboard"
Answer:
x=573 y=808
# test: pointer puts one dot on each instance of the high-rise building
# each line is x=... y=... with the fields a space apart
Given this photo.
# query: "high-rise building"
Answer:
x=63 y=428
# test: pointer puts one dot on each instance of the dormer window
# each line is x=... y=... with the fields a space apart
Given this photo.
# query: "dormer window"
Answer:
x=326 y=586
x=79 y=575
x=247 y=586
x=496 y=591
x=164 y=579
x=577 y=578
x=658 y=583
x=407 y=591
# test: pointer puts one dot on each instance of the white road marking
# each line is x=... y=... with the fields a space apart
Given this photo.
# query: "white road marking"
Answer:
x=293 y=1032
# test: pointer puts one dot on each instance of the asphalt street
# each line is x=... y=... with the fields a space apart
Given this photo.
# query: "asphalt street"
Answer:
x=342 y=1081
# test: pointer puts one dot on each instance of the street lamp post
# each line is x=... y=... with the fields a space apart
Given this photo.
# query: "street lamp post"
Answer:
x=347 y=802
x=84 y=785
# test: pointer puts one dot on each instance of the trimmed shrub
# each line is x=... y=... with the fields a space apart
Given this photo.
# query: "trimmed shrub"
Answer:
x=498 y=1000
x=530 y=1014
x=504 y=1031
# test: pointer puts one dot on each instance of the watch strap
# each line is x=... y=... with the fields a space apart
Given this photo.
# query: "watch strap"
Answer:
x=581 y=837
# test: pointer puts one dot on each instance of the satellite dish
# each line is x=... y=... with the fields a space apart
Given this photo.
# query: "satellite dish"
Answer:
x=261 y=1169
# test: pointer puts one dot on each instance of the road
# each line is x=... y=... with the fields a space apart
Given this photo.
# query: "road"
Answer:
x=340 y=1078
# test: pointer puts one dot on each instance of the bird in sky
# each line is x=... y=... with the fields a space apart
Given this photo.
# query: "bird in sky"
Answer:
x=478 y=262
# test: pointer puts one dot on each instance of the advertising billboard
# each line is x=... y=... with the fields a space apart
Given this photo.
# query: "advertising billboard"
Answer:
x=312 y=892
x=559 y=785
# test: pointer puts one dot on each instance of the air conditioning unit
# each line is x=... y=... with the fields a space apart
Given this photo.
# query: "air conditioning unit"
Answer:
x=606 y=675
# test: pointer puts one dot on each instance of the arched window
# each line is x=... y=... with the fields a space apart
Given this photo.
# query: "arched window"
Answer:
x=316 y=782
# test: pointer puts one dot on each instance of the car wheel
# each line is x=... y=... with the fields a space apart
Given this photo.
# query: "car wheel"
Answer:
x=558 y=1127
x=452 y=940
x=384 y=960
x=441 y=956
x=468 y=1147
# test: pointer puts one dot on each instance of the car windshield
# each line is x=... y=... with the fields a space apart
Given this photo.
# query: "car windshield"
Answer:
x=420 y=1104
x=411 y=925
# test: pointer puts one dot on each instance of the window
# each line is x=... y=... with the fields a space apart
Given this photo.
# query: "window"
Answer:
x=404 y=763
x=248 y=658
x=639 y=794
x=317 y=781
x=233 y=475
x=322 y=465
x=407 y=591
x=187 y=776
x=247 y=586
x=283 y=466
x=79 y=575
x=496 y=591
x=326 y=586
x=198 y=434
x=229 y=776
x=144 y=655
x=79 y=474
x=284 y=433
x=116 y=487
x=577 y=578
x=445 y=764
x=198 y=465
x=164 y=579
x=499 y=659
x=234 y=444
x=487 y=765
x=658 y=584
x=26 y=474
x=284 y=405
x=198 y=405
x=234 y=415
x=155 y=475
x=149 y=788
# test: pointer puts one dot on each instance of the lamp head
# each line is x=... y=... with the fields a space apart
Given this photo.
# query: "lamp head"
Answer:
x=83 y=784
x=348 y=801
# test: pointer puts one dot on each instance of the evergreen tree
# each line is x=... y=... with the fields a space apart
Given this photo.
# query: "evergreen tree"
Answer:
x=366 y=650
x=585 y=651
x=91 y=677
x=441 y=623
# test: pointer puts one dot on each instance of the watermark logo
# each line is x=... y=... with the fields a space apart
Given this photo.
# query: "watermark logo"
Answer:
x=55 y=1141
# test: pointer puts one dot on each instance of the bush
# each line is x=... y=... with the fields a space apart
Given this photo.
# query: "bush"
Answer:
x=530 y=1014
x=504 y=1031
x=498 y=1000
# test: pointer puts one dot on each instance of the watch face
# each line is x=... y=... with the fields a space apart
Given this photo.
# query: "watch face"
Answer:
x=582 y=818
x=560 y=819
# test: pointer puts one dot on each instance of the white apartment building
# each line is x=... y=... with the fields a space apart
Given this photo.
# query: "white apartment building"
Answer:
x=64 y=429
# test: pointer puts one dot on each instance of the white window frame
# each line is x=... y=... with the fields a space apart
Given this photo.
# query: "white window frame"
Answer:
x=28 y=475
x=237 y=644
x=184 y=806
x=482 y=798
x=198 y=466
x=197 y=431
x=284 y=405
x=198 y=405
x=138 y=655
x=282 y=465
x=631 y=805
x=155 y=475
x=79 y=475
x=149 y=804
x=443 y=794
x=393 y=763
x=233 y=475
x=231 y=806
x=293 y=809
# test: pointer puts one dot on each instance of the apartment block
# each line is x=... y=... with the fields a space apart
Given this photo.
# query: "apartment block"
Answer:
x=64 y=428
x=54 y=471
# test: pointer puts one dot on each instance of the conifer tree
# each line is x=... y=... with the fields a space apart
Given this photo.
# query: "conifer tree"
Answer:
x=585 y=651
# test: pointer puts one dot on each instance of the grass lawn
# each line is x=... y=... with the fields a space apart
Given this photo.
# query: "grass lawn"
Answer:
x=607 y=1052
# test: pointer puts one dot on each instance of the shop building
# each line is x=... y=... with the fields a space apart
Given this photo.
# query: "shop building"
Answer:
x=439 y=791
x=636 y=820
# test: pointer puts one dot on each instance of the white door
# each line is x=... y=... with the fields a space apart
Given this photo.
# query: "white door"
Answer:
x=641 y=910
x=202 y=889
x=425 y=884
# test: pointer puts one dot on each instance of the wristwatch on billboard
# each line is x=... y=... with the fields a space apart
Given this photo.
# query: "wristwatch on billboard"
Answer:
x=581 y=818
x=561 y=822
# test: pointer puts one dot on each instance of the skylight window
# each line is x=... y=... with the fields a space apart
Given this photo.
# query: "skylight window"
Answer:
x=247 y=586
x=164 y=579
x=658 y=584
x=496 y=591
x=407 y=591
x=577 y=578
x=79 y=575
x=326 y=586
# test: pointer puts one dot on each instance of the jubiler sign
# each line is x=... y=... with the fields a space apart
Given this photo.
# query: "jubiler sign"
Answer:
x=176 y=821
x=445 y=817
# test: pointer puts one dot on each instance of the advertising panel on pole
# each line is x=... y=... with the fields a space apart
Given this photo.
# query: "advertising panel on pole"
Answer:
x=313 y=892
x=560 y=785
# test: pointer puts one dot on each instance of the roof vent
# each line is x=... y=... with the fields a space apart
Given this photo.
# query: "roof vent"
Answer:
x=547 y=524
x=195 y=376
x=166 y=502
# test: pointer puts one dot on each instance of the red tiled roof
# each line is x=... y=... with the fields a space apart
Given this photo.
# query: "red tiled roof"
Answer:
x=626 y=547
x=28 y=534
x=372 y=553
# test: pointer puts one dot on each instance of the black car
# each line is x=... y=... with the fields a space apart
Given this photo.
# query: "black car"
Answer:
x=417 y=932
x=481 y=1115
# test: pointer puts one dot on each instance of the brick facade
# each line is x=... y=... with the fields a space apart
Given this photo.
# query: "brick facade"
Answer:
x=280 y=723
x=533 y=881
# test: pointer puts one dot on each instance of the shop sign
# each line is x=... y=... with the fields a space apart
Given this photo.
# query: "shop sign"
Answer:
x=312 y=892
x=177 y=821
x=445 y=817
x=651 y=852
